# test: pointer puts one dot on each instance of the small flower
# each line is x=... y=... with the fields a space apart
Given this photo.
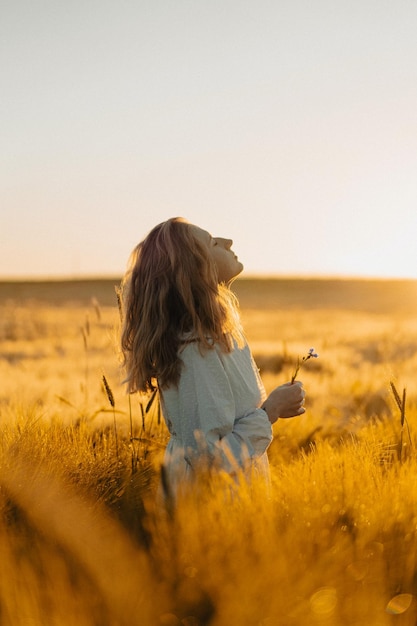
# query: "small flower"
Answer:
x=312 y=354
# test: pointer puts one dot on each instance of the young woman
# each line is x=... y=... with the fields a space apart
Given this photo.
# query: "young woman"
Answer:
x=181 y=333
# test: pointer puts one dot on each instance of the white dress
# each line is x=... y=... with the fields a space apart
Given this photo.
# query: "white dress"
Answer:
x=214 y=414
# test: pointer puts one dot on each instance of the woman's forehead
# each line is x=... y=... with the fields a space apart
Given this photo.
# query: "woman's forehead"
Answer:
x=201 y=234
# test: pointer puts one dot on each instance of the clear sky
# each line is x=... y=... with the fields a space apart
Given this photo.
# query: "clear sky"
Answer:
x=288 y=125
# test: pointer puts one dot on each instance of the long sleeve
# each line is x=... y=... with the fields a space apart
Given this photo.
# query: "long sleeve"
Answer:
x=215 y=408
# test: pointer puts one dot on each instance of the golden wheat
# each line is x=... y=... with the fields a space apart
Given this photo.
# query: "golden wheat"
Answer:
x=85 y=541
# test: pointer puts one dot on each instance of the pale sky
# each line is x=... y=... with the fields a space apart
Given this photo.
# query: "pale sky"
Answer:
x=289 y=126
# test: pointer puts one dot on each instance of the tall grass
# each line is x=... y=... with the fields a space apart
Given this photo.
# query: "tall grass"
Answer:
x=84 y=538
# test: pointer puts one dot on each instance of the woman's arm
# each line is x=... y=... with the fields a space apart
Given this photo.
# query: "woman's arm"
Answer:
x=207 y=411
x=285 y=401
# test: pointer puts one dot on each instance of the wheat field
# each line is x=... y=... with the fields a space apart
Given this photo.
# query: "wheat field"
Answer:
x=83 y=540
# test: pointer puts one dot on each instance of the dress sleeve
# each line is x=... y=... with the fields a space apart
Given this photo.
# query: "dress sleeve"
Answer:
x=208 y=421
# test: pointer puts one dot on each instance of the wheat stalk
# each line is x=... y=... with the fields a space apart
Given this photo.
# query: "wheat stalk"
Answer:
x=401 y=403
x=110 y=397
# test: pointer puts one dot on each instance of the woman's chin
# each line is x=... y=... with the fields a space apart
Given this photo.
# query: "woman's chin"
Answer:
x=239 y=270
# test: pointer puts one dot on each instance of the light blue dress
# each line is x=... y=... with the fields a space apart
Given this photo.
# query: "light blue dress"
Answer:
x=214 y=414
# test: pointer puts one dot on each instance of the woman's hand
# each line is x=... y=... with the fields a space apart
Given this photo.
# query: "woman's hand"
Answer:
x=285 y=401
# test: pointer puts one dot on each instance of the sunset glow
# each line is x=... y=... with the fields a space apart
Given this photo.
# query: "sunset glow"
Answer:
x=289 y=127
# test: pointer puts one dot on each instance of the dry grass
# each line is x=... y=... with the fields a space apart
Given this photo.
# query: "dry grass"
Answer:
x=334 y=541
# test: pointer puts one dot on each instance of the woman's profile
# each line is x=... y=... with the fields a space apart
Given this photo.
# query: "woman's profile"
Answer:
x=182 y=334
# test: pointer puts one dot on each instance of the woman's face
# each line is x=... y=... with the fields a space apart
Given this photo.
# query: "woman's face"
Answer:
x=227 y=264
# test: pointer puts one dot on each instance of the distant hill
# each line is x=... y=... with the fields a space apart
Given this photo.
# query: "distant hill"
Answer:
x=288 y=293
x=60 y=292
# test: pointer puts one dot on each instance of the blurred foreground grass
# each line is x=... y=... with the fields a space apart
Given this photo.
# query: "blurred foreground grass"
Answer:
x=83 y=540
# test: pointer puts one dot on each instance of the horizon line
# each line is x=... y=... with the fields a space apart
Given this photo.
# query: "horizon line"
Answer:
x=249 y=276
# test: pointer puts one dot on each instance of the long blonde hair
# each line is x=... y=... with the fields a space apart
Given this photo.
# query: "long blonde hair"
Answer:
x=171 y=292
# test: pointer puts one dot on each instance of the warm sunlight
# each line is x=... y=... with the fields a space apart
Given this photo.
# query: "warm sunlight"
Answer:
x=329 y=543
x=287 y=128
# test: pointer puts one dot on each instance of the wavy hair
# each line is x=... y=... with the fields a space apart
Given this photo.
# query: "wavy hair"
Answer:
x=170 y=295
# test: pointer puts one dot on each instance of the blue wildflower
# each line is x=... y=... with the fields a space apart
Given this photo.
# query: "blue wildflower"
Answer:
x=311 y=355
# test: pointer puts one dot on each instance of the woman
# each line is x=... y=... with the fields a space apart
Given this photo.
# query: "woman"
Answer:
x=181 y=333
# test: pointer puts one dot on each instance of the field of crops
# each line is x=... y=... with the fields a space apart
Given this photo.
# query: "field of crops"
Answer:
x=82 y=539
